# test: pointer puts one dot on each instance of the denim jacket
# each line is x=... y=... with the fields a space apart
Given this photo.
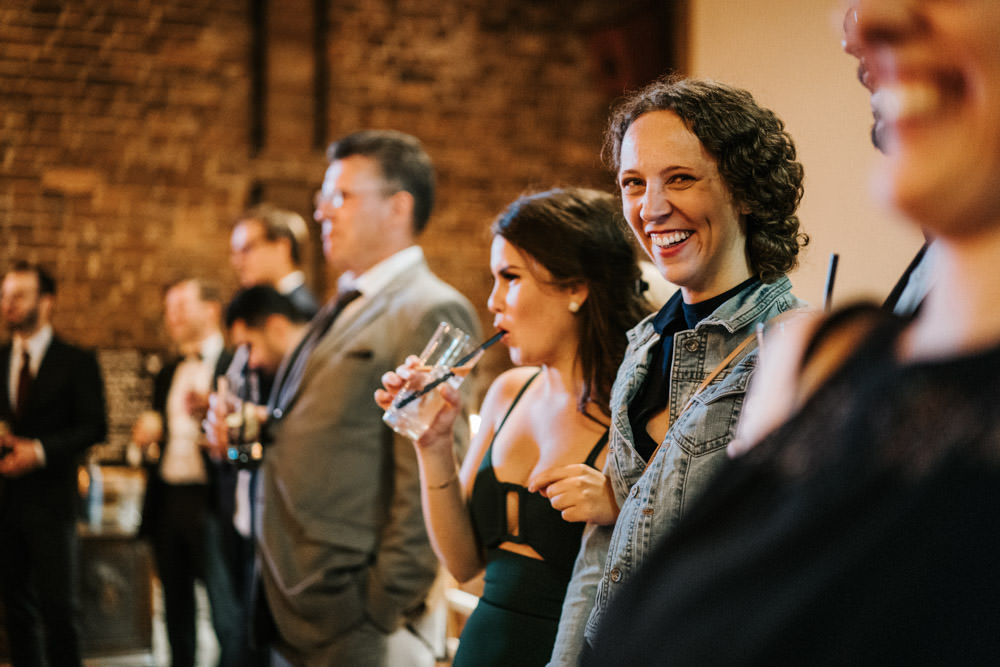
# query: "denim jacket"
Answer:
x=653 y=500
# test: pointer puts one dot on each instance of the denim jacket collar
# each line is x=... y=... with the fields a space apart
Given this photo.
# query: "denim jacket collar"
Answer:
x=735 y=314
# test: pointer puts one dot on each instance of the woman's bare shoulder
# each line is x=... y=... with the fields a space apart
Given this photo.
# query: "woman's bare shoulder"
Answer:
x=505 y=388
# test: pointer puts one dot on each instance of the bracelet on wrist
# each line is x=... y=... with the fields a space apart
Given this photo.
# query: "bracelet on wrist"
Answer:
x=438 y=487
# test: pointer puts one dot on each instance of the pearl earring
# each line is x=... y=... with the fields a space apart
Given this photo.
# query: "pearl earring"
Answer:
x=573 y=306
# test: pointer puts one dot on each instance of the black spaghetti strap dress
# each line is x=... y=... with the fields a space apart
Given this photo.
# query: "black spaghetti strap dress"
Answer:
x=517 y=617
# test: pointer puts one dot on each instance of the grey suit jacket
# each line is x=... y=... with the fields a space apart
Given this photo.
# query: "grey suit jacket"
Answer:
x=342 y=537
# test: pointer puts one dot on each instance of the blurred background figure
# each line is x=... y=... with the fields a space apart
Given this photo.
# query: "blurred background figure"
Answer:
x=267 y=249
x=180 y=516
x=267 y=323
x=565 y=308
x=52 y=409
x=709 y=185
x=863 y=530
x=267 y=326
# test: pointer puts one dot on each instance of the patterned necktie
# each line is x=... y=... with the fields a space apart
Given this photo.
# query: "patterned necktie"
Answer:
x=317 y=329
x=325 y=320
x=24 y=379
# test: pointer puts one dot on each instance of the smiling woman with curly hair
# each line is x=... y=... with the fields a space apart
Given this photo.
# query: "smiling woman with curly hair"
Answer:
x=754 y=154
x=709 y=185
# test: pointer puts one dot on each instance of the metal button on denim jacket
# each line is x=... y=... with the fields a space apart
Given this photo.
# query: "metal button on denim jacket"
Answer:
x=653 y=500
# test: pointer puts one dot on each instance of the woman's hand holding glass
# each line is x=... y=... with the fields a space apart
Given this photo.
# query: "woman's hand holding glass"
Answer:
x=439 y=429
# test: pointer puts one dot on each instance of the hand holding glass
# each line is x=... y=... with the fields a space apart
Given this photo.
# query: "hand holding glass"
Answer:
x=233 y=428
x=449 y=356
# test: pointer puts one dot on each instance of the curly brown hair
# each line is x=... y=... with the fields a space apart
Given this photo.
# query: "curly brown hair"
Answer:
x=754 y=154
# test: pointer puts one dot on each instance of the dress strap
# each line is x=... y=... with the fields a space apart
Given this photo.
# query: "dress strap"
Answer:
x=837 y=339
x=520 y=393
x=595 y=452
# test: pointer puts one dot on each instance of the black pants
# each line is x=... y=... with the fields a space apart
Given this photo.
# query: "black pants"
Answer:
x=187 y=545
x=39 y=580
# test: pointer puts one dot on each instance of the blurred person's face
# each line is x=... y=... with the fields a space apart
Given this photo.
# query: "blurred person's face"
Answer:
x=679 y=208
x=256 y=260
x=852 y=46
x=540 y=327
x=21 y=302
x=263 y=344
x=188 y=319
x=935 y=67
x=354 y=207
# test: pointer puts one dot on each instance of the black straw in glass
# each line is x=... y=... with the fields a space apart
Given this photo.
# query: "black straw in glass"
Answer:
x=450 y=374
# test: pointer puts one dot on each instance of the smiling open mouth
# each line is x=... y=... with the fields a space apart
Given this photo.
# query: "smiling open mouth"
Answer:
x=918 y=100
x=670 y=239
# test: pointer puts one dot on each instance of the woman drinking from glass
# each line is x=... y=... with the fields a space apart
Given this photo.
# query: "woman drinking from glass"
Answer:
x=565 y=292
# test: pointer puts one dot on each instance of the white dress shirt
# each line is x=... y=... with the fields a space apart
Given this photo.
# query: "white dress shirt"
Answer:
x=182 y=462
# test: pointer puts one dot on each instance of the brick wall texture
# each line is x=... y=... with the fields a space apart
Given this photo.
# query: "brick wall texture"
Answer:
x=125 y=127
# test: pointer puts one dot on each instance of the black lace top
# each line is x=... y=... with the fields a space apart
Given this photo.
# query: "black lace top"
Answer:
x=866 y=530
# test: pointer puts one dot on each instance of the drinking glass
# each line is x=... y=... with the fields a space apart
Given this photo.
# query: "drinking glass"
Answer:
x=449 y=357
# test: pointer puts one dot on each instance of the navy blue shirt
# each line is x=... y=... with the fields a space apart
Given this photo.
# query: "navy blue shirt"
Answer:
x=674 y=316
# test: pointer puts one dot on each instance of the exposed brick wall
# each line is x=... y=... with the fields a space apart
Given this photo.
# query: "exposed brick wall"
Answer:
x=125 y=145
x=121 y=121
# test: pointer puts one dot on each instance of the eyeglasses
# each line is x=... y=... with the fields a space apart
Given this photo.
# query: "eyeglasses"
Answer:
x=337 y=198
x=248 y=247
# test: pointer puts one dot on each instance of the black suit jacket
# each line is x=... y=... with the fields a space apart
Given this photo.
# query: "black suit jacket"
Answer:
x=66 y=412
x=304 y=300
x=154 y=485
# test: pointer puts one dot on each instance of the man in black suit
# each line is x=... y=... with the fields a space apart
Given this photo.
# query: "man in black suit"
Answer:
x=180 y=516
x=52 y=402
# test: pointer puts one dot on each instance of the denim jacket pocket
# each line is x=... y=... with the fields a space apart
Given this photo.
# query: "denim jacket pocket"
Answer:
x=710 y=421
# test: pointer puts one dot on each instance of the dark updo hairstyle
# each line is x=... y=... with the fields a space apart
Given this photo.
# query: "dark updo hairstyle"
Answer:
x=753 y=152
x=580 y=237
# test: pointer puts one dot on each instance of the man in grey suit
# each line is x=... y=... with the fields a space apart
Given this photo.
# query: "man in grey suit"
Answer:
x=345 y=558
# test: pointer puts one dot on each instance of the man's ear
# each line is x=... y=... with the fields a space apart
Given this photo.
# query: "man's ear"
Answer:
x=285 y=243
x=46 y=306
x=275 y=323
x=402 y=203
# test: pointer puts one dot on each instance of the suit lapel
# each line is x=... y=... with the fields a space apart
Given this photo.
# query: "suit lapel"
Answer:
x=5 y=408
x=344 y=331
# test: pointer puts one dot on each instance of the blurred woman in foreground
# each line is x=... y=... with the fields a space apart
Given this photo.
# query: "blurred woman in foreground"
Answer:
x=866 y=528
